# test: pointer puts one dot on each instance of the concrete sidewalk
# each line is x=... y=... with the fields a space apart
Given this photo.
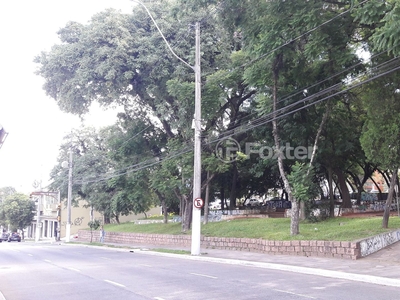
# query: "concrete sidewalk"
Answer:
x=381 y=268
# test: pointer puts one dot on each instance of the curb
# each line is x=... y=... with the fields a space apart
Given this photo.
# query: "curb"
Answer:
x=289 y=268
x=272 y=266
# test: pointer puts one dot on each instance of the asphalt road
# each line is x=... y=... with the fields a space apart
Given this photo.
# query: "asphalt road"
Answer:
x=50 y=271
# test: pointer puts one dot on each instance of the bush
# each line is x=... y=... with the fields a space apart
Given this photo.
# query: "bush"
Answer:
x=317 y=211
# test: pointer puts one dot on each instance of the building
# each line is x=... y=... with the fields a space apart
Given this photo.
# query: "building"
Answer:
x=51 y=218
x=45 y=223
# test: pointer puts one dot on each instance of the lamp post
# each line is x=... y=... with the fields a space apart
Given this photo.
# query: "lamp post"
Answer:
x=38 y=223
x=68 y=165
x=196 y=212
x=3 y=135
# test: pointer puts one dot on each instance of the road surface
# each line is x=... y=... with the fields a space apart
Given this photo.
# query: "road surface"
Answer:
x=58 y=271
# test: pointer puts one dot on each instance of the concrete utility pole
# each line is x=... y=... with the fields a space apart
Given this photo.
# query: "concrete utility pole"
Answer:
x=196 y=215
x=68 y=229
x=38 y=223
x=196 y=212
x=58 y=237
x=68 y=165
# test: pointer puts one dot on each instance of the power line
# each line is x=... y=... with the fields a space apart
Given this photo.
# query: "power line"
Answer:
x=280 y=113
x=269 y=118
x=187 y=149
x=292 y=40
x=302 y=35
x=301 y=90
x=275 y=49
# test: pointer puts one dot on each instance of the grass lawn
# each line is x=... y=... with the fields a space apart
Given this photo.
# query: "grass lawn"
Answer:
x=336 y=229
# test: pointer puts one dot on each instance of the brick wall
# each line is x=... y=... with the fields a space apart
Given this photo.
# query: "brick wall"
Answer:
x=344 y=250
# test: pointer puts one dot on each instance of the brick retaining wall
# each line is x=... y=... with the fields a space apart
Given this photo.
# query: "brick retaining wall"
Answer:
x=344 y=250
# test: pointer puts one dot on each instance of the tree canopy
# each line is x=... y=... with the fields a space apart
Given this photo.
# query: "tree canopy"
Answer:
x=18 y=211
x=274 y=74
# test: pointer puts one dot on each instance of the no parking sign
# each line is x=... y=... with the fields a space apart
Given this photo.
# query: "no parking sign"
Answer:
x=198 y=203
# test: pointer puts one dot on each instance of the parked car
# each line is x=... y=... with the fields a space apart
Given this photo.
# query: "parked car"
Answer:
x=14 y=237
x=252 y=202
x=215 y=205
x=4 y=237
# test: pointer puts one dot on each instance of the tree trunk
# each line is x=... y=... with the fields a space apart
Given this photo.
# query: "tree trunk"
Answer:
x=331 y=195
x=346 y=201
x=315 y=147
x=386 y=213
x=165 y=214
x=164 y=207
x=187 y=215
x=232 y=196
x=222 y=194
x=106 y=219
x=294 y=224
x=294 y=219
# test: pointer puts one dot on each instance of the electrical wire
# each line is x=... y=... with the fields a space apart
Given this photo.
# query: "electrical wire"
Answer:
x=152 y=162
x=281 y=112
x=260 y=121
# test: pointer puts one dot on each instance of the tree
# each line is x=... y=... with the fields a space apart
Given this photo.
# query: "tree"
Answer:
x=292 y=53
x=19 y=211
x=4 y=193
x=96 y=177
x=117 y=59
x=93 y=225
x=380 y=138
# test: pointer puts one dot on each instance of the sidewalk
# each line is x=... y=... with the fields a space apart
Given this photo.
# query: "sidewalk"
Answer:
x=381 y=268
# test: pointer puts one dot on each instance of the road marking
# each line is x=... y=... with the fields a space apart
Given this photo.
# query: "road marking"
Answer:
x=288 y=268
x=30 y=254
x=114 y=283
x=287 y=292
x=144 y=265
x=158 y=298
x=2 y=296
x=106 y=258
x=46 y=260
x=73 y=269
x=203 y=275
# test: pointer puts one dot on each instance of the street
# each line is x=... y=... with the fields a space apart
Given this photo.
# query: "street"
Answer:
x=58 y=271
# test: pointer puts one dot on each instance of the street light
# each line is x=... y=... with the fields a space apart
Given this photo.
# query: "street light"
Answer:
x=196 y=212
x=3 y=135
x=68 y=165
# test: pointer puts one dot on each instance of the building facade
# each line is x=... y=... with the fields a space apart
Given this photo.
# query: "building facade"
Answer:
x=50 y=221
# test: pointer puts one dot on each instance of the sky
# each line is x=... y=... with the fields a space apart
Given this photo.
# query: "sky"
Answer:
x=35 y=124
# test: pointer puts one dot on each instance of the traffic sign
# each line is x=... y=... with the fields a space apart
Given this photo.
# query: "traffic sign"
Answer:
x=198 y=203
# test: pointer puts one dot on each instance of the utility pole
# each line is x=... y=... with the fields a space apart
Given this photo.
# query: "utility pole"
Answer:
x=38 y=224
x=196 y=215
x=58 y=215
x=196 y=212
x=68 y=228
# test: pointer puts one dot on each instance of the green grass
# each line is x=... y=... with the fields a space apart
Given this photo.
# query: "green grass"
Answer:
x=336 y=229
x=170 y=228
x=173 y=251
